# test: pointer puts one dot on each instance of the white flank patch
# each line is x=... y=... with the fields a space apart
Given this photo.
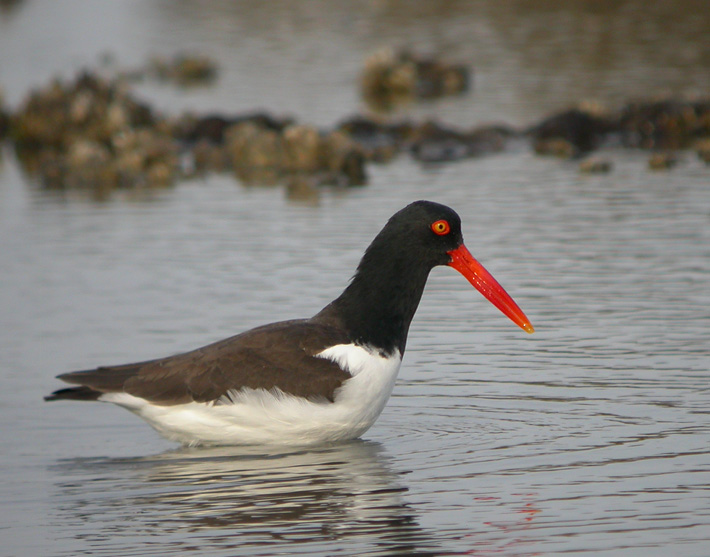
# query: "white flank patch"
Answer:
x=260 y=417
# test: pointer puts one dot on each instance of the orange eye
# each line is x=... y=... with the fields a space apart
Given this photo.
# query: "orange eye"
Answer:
x=441 y=227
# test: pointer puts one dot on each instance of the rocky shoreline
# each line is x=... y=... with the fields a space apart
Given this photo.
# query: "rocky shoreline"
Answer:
x=92 y=133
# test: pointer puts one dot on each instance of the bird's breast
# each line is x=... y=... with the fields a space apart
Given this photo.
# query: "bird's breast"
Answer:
x=373 y=375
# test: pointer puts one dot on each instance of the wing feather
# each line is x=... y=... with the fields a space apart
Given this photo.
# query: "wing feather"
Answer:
x=278 y=356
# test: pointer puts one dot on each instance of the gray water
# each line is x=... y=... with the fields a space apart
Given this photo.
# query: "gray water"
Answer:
x=590 y=436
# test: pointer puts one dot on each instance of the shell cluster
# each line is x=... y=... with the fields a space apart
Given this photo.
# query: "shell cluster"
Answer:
x=391 y=77
x=92 y=133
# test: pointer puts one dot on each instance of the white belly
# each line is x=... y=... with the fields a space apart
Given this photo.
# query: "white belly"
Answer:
x=251 y=417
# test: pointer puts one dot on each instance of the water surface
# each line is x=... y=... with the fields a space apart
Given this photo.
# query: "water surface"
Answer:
x=590 y=436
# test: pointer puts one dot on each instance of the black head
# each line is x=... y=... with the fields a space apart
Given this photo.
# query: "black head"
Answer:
x=422 y=234
x=378 y=305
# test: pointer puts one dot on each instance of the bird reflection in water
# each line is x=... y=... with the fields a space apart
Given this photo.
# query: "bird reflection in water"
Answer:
x=235 y=498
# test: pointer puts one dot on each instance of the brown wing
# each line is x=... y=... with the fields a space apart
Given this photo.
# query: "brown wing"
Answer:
x=281 y=355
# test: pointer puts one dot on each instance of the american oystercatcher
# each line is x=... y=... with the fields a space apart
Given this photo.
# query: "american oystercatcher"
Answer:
x=305 y=381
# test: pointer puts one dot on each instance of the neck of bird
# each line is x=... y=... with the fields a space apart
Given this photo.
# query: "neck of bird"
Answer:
x=378 y=305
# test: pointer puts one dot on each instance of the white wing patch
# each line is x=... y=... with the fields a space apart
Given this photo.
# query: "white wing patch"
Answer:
x=355 y=359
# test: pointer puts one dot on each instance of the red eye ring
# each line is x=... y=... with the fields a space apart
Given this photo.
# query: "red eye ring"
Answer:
x=441 y=227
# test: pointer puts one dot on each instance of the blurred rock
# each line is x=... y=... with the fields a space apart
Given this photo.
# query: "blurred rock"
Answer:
x=484 y=140
x=702 y=148
x=378 y=141
x=666 y=124
x=212 y=127
x=4 y=116
x=570 y=133
x=556 y=147
x=435 y=143
x=90 y=133
x=391 y=77
x=184 y=69
x=432 y=142
x=333 y=156
x=303 y=189
x=250 y=145
x=595 y=165
x=210 y=157
x=662 y=161
x=303 y=149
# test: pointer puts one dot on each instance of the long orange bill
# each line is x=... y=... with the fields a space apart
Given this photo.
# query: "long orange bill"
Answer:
x=483 y=281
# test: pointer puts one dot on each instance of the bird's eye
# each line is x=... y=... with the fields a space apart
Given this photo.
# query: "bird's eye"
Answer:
x=441 y=227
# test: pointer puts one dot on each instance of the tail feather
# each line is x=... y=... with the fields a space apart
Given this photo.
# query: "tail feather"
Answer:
x=74 y=393
x=104 y=379
x=94 y=382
